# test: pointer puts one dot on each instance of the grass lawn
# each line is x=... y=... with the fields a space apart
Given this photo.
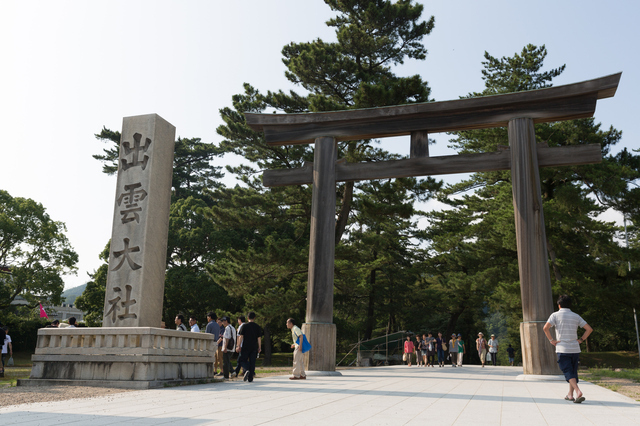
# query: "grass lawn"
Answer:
x=622 y=359
x=11 y=374
x=629 y=374
x=20 y=370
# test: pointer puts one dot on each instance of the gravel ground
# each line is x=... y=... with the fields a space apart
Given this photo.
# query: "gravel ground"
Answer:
x=624 y=386
x=26 y=395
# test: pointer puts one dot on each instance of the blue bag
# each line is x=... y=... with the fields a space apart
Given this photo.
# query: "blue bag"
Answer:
x=306 y=346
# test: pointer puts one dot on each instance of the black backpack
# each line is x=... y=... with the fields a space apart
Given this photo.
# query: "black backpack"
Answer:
x=231 y=341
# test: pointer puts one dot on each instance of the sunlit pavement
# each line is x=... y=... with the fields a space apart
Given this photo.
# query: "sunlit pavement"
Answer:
x=395 y=395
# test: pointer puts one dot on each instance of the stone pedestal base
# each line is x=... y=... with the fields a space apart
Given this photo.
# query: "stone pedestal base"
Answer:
x=538 y=355
x=124 y=357
x=322 y=356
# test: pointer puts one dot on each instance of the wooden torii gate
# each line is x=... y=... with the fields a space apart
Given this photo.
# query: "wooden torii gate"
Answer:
x=518 y=111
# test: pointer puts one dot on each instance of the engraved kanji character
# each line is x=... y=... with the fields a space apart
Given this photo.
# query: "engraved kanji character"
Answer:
x=136 y=152
x=131 y=197
x=115 y=306
x=125 y=256
x=125 y=215
x=127 y=303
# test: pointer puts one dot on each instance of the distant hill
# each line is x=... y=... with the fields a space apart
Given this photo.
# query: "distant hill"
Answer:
x=72 y=293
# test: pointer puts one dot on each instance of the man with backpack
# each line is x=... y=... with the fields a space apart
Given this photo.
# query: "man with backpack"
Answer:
x=228 y=345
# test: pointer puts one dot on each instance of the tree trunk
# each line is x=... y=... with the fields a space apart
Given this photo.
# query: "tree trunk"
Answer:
x=371 y=309
x=347 y=198
x=453 y=319
x=266 y=346
x=345 y=209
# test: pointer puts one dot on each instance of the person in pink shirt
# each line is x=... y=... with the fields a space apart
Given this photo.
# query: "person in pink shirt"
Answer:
x=408 y=350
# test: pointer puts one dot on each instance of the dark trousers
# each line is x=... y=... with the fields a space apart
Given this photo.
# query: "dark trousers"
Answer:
x=494 y=357
x=238 y=365
x=440 y=356
x=569 y=365
x=247 y=361
x=226 y=363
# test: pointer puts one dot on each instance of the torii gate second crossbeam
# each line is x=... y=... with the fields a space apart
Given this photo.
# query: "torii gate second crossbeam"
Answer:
x=517 y=111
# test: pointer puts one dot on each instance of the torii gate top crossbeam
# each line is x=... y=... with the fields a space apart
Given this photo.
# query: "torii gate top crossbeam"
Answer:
x=558 y=103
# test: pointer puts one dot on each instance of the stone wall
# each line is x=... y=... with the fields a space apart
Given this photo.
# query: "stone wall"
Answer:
x=128 y=357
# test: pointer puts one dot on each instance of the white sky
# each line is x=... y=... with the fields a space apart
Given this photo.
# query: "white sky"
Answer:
x=70 y=67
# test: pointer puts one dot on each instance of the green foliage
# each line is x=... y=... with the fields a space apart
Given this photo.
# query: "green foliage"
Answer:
x=356 y=70
x=604 y=361
x=34 y=253
x=91 y=301
x=519 y=72
x=192 y=167
x=23 y=328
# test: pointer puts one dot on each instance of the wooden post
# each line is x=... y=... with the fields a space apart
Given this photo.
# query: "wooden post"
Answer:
x=419 y=144
x=319 y=326
x=537 y=354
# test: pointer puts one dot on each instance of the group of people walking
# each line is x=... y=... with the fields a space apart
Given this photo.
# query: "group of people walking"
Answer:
x=430 y=351
x=246 y=340
x=566 y=342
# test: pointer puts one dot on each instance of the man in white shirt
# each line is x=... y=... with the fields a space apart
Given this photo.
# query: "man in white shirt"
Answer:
x=193 y=323
x=228 y=346
x=241 y=321
x=567 y=343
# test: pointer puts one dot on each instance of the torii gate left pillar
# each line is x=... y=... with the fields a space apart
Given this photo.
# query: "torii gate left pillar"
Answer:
x=319 y=326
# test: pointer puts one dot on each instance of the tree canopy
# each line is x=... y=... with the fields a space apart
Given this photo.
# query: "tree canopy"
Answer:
x=34 y=253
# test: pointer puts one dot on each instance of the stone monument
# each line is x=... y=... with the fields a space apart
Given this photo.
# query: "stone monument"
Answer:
x=130 y=350
x=138 y=254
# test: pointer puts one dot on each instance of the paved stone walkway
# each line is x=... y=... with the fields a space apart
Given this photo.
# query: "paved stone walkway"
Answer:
x=396 y=395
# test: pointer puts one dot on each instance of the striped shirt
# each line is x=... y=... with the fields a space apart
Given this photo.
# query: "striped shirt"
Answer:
x=566 y=323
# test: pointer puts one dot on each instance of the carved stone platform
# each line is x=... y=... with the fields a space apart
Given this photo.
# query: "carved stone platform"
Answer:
x=123 y=357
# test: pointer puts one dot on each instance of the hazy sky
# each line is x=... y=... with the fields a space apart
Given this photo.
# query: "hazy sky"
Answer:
x=68 y=68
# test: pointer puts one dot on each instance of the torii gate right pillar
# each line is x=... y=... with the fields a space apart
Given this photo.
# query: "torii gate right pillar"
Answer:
x=538 y=355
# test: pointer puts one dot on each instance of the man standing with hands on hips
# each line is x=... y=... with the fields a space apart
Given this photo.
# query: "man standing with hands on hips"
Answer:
x=567 y=344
